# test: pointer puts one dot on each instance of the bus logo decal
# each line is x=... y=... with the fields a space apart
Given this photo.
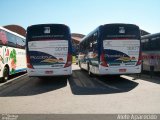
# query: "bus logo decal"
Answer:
x=47 y=30
x=121 y=30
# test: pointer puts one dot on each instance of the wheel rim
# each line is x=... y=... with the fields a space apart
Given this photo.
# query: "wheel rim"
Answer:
x=6 y=74
x=6 y=78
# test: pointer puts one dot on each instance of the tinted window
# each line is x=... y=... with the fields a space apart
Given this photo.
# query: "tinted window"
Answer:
x=145 y=44
x=150 y=43
x=42 y=32
x=90 y=43
x=3 y=38
x=155 y=43
x=117 y=31
x=20 y=43
x=11 y=39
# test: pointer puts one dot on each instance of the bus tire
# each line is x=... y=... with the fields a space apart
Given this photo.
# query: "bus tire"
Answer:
x=68 y=76
x=89 y=72
x=5 y=74
x=117 y=76
x=80 y=65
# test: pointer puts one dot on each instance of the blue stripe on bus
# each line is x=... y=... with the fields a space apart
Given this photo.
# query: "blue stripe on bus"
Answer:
x=19 y=70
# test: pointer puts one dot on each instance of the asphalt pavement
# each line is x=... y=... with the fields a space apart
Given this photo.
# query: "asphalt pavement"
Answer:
x=81 y=94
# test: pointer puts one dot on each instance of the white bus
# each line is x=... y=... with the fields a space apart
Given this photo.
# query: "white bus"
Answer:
x=49 y=50
x=111 y=49
x=151 y=48
x=12 y=53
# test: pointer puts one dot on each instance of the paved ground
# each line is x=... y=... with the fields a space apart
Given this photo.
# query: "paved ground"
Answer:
x=81 y=94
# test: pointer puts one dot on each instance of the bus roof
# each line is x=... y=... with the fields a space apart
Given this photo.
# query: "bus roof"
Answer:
x=151 y=35
x=119 y=24
x=49 y=24
x=106 y=25
x=2 y=28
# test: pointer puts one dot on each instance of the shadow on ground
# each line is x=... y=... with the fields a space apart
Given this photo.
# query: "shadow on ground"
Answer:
x=145 y=76
x=34 y=86
x=82 y=84
x=14 y=76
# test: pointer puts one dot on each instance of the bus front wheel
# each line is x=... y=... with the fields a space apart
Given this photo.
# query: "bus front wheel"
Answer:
x=5 y=74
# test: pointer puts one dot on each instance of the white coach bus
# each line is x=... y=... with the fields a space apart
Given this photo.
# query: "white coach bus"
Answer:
x=12 y=53
x=111 y=49
x=49 y=50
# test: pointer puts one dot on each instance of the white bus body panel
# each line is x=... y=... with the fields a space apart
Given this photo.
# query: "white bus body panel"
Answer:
x=127 y=65
x=49 y=66
x=146 y=57
x=6 y=60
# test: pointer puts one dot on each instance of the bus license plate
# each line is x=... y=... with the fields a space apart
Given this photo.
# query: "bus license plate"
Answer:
x=49 y=72
x=122 y=70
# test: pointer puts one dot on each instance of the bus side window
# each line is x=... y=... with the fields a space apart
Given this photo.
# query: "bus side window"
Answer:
x=20 y=43
x=145 y=44
x=83 y=47
x=94 y=42
x=3 y=38
x=11 y=40
x=91 y=47
x=155 y=43
x=95 y=47
x=158 y=43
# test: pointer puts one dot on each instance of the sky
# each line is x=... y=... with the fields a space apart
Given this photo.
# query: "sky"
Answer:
x=82 y=16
